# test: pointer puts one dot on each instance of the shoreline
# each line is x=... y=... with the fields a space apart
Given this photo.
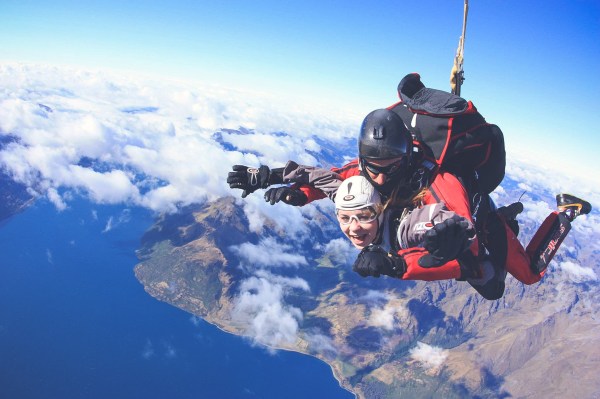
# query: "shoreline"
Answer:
x=248 y=338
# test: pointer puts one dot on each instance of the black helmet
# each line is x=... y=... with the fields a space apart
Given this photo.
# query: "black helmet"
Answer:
x=383 y=135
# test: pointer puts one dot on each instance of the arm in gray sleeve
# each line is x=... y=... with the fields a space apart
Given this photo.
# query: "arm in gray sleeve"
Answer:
x=319 y=178
x=417 y=222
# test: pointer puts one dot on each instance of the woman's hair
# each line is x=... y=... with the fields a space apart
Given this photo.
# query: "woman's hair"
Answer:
x=379 y=208
x=396 y=200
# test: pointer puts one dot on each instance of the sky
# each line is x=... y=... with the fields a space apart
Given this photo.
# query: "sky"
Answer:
x=530 y=67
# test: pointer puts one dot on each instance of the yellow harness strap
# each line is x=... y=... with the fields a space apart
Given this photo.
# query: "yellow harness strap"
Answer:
x=457 y=73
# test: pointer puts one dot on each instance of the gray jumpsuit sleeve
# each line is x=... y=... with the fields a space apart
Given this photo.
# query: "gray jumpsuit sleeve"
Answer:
x=319 y=178
x=416 y=222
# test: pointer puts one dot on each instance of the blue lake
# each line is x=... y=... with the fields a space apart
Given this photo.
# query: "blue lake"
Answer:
x=75 y=322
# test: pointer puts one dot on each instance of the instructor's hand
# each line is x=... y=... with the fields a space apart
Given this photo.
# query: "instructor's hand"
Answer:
x=446 y=240
x=287 y=195
x=248 y=179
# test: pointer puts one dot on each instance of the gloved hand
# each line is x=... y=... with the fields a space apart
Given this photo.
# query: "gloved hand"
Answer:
x=375 y=261
x=248 y=179
x=446 y=240
x=286 y=194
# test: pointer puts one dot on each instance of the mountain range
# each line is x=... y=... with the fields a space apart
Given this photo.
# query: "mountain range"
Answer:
x=384 y=338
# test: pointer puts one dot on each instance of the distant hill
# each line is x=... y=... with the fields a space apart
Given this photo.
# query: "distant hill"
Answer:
x=14 y=196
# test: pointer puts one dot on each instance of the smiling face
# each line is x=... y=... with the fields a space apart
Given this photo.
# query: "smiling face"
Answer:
x=360 y=225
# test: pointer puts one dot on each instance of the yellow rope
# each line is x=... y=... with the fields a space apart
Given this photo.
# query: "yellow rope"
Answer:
x=456 y=75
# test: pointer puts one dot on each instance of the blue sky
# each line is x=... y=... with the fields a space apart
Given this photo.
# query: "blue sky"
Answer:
x=531 y=67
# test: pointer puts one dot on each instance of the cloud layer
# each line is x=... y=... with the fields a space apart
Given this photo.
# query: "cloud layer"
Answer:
x=120 y=139
x=261 y=306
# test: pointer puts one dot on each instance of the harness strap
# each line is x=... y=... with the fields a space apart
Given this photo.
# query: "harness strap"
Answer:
x=457 y=73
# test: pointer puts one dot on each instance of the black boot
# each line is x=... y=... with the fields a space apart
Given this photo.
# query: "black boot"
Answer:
x=510 y=213
x=572 y=206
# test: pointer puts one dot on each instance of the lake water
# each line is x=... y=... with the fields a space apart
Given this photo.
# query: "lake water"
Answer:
x=75 y=322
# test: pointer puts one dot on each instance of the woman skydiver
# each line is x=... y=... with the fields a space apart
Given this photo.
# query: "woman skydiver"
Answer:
x=364 y=219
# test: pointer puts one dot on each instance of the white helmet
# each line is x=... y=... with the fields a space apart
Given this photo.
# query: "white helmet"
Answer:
x=356 y=192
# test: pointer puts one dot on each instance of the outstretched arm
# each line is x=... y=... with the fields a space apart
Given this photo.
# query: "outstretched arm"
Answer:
x=321 y=179
x=310 y=182
x=316 y=183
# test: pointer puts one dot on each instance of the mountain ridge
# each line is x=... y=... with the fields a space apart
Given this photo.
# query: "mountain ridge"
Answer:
x=490 y=347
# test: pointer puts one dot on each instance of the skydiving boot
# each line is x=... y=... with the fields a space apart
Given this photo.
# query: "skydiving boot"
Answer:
x=572 y=206
x=510 y=213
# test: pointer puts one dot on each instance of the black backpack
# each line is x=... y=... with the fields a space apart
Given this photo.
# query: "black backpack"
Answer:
x=457 y=136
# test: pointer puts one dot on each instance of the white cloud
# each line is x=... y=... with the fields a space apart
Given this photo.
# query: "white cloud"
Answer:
x=196 y=321
x=292 y=220
x=382 y=318
x=587 y=226
x=169 y=350
x=109 y=225
x=151 y=143
x=148 y=350
x=268 y=253
x=260 y=306
x=387 y=311
x=537 y=211
x=375 y=296
x=577 y=273
x=341 y=251
x=322 y=344
x=112 y=222
x=49 y=256
x=545 y=176
x=55 y=199
x=122 y=139
x=430 y=357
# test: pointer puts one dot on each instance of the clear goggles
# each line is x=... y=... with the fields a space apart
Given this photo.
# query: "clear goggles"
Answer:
x=365 y=216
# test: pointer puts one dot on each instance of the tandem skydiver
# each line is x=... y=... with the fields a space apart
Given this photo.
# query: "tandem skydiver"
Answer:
x=397 y=166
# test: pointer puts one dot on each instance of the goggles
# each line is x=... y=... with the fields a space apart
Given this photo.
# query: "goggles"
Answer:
x=389 y=170
x=365 y=217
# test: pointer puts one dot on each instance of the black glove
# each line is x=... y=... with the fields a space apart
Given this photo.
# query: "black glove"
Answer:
x=375 y=261
x=286 y=194
x=445 y=241
x=248 y=179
